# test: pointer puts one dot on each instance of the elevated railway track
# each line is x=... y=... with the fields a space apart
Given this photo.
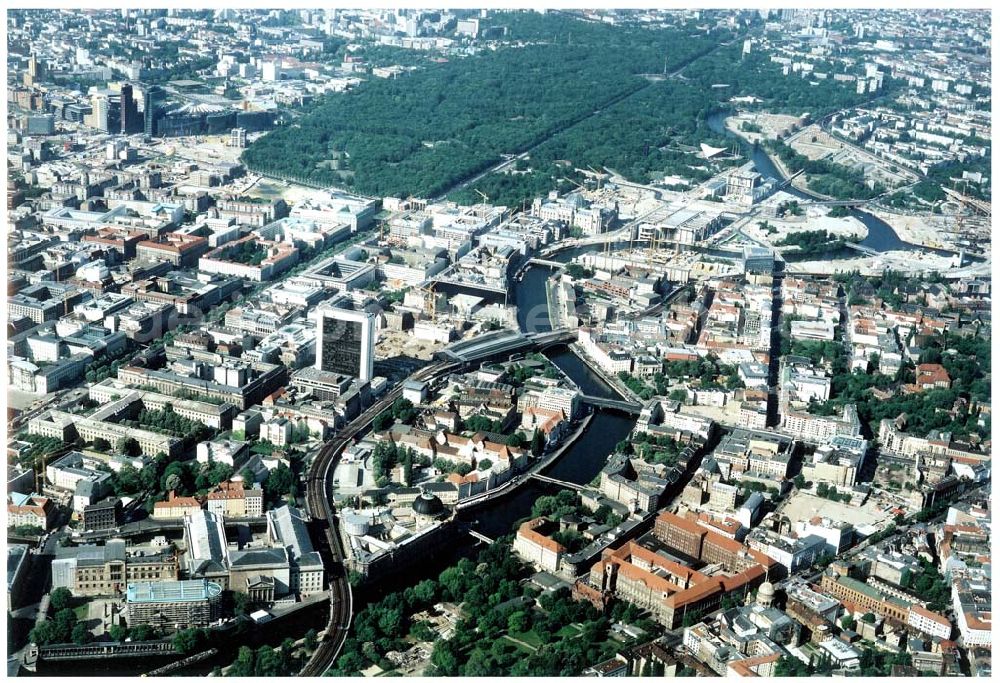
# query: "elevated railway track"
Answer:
x=318 y=489
x=319 y=482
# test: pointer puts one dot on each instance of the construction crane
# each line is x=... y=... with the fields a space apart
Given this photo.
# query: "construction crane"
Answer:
x=574 y=182
x=652 y=244
x=430 y=307
x=959 y=224
x=483 y=195
x=599 y=176
x=40 y=480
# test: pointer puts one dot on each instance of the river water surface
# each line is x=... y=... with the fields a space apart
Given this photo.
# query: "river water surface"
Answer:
x=881 y=236
x=579 y=464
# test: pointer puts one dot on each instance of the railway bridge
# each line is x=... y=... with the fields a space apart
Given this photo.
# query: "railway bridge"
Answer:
x=630 y=407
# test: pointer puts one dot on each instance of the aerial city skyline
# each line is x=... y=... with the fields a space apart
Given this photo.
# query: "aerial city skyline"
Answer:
x=499 y=342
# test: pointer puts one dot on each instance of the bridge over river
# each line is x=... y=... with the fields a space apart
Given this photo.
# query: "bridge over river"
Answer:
x=630 y=407
x=557 y=482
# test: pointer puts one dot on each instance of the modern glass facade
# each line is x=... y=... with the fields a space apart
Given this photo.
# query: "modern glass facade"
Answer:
x=151 y=109
x=341 y=342
x=131 y=122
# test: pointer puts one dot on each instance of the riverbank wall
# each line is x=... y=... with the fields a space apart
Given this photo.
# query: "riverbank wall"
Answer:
x=613 y=382
x=436 y=538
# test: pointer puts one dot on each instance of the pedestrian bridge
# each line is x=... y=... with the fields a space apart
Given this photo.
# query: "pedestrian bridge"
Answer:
x=836 y=202
x=864 y=250
x=557 y=482
x=546 y=262
x=482 y=537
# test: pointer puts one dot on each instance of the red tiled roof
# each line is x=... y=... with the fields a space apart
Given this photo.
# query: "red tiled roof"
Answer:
x=931 y=373
x=38 y=506
x=681 y=523
x=228 y=490
x=745 y=667
x=927 y=614
x=528 y=532
x=175 y=501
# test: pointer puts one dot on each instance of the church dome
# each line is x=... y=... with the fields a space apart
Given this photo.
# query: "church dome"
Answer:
x=765 y=594
x=428 y=504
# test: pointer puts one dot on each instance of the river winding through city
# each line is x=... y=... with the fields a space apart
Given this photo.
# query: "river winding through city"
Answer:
x=580 y=464
x=584 y=460
x=881 y=236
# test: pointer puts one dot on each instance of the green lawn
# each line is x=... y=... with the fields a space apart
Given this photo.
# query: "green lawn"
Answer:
x=531 y=638
x=568 y=630
x=520 y=645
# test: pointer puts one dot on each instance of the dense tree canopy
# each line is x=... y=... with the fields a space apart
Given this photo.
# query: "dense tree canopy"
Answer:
x=827 y=177
x=489 y=592
x=550 y=88
x=420 y=133
x=813 y=243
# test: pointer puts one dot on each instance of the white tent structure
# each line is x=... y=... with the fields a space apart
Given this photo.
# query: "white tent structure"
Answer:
x=710 y=152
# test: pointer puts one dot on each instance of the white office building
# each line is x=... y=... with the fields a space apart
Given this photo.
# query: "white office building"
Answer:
x=345 y=342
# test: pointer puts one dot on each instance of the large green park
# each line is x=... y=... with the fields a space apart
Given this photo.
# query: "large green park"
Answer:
x=572 y=93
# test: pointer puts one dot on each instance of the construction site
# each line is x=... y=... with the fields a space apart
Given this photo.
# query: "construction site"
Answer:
x=813 y=142
x=757 y=126
x=955 y=232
